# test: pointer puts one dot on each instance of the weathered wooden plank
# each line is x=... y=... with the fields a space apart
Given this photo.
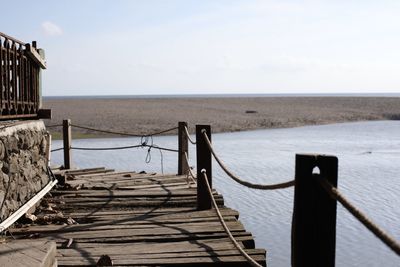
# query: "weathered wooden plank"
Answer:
x=146 y=254
x=155 y=227
x=75 y=171
x=136 y=248
x=112 y=204
x=232 y=260
x=136 y=193
x=140 y=197
x=129 y=184
x=144 y=219
x=130 y=217
x=245 y=240
x=132 y=201
x=164 y=186
x=132 y=180
x=127 y=175
x=140 y=220
x=204 y=243
x=28 y=253
x=121 y=238
x=158 y=214
x=90 y=172
x=124 y=222
x=77 y=231
x=108 y=175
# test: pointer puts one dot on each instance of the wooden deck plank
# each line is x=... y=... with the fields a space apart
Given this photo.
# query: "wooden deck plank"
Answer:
x=28 y=253
x=183 y=246
x=69 y=254
x=153 y=228
x=200 y=261
x=163 y=212
x=144 y=255
x=140 y=219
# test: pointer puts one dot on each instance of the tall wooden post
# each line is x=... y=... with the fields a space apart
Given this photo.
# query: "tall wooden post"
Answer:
x=40 y=87
x=203 y=155
x=314 y=213
x=67 y=143
x=183 y=144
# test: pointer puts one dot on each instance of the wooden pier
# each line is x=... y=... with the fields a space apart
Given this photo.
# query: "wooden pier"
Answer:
x=140 y=219
x=148 y=219
x=106 y=218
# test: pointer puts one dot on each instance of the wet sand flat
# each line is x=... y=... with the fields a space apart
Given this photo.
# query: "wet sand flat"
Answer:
x=146 y=115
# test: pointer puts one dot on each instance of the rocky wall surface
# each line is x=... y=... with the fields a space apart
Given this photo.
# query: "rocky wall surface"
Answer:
x=23 y=163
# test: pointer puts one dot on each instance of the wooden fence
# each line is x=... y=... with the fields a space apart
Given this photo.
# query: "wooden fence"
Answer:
x=20 y=67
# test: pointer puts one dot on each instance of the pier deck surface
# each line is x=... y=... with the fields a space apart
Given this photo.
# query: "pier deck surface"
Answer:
x=140 y=219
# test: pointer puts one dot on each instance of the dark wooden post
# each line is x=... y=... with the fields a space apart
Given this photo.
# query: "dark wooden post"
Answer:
x=67 y=143
x=314 y=213
x=203 y=156
x=183 y=144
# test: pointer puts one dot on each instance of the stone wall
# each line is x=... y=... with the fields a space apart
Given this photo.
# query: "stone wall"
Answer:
x=23 y=163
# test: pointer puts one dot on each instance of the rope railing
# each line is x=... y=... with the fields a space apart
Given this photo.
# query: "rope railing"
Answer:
x=251 y=261
x=124 y=147
x=190 y=172
x=188 y=136
x=375 y=229
x=240 y=181
x=123 y=133
x=146 y=141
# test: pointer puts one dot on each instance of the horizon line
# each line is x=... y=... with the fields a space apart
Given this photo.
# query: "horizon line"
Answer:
x=382 y=94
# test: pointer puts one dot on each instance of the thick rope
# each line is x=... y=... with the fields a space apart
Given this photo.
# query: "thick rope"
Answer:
x=188 y=136
x=148 y=157
x=124 y=147
x=190 y=172
x=378 y=232
x=121 y=133
x=56 y=149
x=221 y=219
x=240 y=181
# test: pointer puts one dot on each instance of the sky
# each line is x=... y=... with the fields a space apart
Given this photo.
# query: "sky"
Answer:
x=96 y=47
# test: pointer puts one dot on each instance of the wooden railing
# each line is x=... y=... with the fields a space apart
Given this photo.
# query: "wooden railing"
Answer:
x=20 y=66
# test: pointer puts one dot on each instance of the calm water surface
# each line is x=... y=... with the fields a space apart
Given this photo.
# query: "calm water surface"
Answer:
x=369 y=173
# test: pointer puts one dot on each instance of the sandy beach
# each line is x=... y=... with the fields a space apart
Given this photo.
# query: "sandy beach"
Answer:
x=146 y=115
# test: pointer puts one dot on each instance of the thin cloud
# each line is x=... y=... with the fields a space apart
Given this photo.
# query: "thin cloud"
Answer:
x=51 y=29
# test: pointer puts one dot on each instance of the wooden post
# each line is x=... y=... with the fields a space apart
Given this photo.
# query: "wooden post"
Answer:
x=314 y=213
x=183 y=144
x=42 y=54
x=67 y=143
x=203 y=155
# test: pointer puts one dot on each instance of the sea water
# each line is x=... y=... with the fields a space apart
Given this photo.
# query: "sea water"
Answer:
x=369 y=176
